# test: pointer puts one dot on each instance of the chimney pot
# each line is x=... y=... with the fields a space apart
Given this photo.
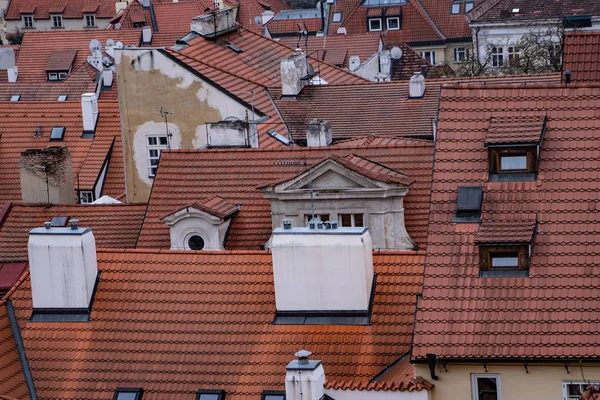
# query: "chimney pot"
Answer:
x=304 y=379
x=74 y=224
x=48 y=224
x=416 y=86
x=287 y=223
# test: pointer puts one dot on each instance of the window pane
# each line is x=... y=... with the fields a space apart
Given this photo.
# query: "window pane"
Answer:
x=211 y=396
x=469 y=7
x=487 y=389
x=152 y=141
x=375 y=24
x=358 y=220
x=163 y=140
x=513 y=162
x=337 y=17
x=346 y=220
x=455 y=8
x=127 y=396
x=274 y=397
x=511 y=261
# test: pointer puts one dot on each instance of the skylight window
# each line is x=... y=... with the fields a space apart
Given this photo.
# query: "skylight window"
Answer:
x=62 y=97
x=210 y=394
x=58 y=132
x=128 y=394
x=272 y=395
x=455 y=8
x=15 y=97
x=513 y=162
x=337 y=17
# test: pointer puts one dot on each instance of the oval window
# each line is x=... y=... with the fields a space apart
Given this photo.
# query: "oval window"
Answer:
x=196 y=243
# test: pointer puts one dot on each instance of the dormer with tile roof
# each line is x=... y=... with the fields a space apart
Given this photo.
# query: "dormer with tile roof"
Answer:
x=351 y=190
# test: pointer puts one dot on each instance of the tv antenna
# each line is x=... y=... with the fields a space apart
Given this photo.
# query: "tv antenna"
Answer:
x=165 y=114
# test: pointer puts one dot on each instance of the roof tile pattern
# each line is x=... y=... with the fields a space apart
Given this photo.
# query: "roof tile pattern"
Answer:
x=410 y=62
x=61 y=60
x=515 y=130
x=453 y=26
x=581 y=56
x=113 y=225
x=216 y=206
x=505 y=231
x=10 y=273
x=553 y=313
x=12 y=382
x=291 y=26
x=41 y=9
x=19 y=121
x=235 y=176
x=372 y=170
x=537 y=9
x=380 y=109
x=208 y=324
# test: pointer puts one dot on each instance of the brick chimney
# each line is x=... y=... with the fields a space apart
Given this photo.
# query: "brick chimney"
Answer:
x=293 y=69
x=304 y=378
x=318 y=133
x=63 y=267
x=47 y=176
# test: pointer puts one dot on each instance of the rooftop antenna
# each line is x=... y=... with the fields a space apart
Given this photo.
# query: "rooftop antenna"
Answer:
x=165 y=114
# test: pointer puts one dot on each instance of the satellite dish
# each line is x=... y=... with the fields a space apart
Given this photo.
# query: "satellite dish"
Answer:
x=258 y=20
x=118 y=45
x=106 y=61
x=110 y=43
x=95 y=45
x=396 y=53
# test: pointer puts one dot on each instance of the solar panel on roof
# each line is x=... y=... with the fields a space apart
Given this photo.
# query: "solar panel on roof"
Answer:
x=469 y=199
x=58 y=132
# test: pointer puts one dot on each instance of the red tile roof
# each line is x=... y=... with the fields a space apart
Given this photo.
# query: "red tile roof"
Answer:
x=177 y=17
x=290 y=26
x=35 y=51
x=114 y=225
x=514 y=130
x=501 y=10
x=235 y=175
x=363 y=46
x=383 y=109
x=215 y=205
x=372 y=170
x=249 y=9
x=581 y=56
x=411 y=62
x=204 y=320
x=9 y=274
x=553 y=313
x=18 y=121
x=41 y=9
x=12 y=381
x=61 y=60
x=494 y=231
x=452 y=26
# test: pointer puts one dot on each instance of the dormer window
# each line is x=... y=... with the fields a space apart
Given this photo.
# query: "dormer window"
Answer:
x=57 y=21
x=469 y=6
x=455 y=8
x=505 y=247
x=60 y=64
x=90 y=20
x=27 y=21
x=375 y=24
x=513 y=146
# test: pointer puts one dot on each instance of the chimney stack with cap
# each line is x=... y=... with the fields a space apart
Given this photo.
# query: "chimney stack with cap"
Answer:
x=417 y=86
x=214 y=22
x=294 y=70
x=89 y=112
x=63 y=267
x=304 y=378
x=318 y=133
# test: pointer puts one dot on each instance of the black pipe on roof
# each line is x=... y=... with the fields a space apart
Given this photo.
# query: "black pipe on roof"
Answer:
x=14 y=327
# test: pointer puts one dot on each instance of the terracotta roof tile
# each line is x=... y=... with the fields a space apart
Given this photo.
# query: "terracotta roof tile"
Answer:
x=506 y=231
x=462 y=315
x=453 y=26
x=410 y=62
x=61 y=60
x=41 y=9
x=581 y=55
x=19 y=121
x=371 y=169
x=114 y=225
x=12 y=382
x=235 y=175
x=177 y=17
x=513 y=130
x=215 y=205
x=532 y=10
x=289 y=26
x=151 y=333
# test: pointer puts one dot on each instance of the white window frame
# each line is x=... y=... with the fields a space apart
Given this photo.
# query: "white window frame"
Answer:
x=465 y=54
x=387 y=23
x=59 y=19
x=565 y=392
x=474 y=391
x=469 y=6
x=429 y=56
x=158 y=147
x=53 y=76
x=454 y=10
x=88 y=18
x=380 y=25
x=86 y=197
x=514 y=53
x=337 y=17
x=28 y=21
x=497 y=54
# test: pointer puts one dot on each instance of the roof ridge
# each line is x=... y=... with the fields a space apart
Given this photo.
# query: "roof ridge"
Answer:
x=183 y=252
x=421 y=10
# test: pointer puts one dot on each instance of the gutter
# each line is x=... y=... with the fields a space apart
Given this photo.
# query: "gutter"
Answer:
x=14 y=327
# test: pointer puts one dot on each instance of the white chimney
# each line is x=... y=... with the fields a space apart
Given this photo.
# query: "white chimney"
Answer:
x=322 y=269
x=354 y=63
x=318 y=133
x=63 y=267
x=214 y=23
x=13 y=74
x=385 y=62
x=304 y=378
x=89 y=111
x=146 y=35
x=107 y=77
x=293 y=69
x=267 y=16
x=7 y=58
x=341 y=31
x=416 y=86
x=146 y=3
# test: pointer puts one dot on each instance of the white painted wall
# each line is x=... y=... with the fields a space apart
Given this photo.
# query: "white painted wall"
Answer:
x=380 y=395
x=189 y=222
x=322 y=271
x=47 y=25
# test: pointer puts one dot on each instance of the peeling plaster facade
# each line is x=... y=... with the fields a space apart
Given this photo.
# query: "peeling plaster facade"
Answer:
x=148 y=81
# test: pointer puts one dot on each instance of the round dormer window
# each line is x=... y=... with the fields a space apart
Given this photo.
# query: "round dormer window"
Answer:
x=195 y=242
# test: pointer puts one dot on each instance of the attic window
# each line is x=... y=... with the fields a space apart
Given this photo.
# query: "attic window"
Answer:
x=272 y=395
x=468 y=204
x=513 y=145
x=210 y=394
x=577 y=22
x=455 y=8
x=15 y=97
x=128 y=394
x=58 y=132
x=337 y=17
x=375 y=25
x=62 y=97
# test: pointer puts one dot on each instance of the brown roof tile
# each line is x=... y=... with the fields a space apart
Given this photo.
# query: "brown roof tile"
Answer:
x=462 y=315
x=506 y=231
x=204 y=319
x=533 y=10
x=215 y=205
x=410 y=62
x=581 y=55
x=235 y=175
x=515 y=130
x=12 y=381
x=61 y=60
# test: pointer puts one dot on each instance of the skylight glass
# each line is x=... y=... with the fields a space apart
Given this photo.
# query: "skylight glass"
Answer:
x=15 y=97
x=370 y=3
x=58 y=132
x=62 y=97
